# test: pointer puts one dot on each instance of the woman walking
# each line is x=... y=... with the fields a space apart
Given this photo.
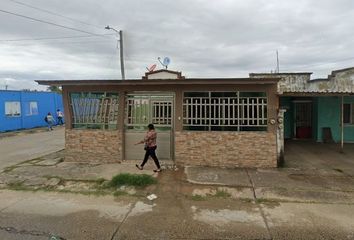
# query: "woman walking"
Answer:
x=150 y=147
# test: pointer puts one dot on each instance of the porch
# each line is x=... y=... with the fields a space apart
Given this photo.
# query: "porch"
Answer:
x=310 y=156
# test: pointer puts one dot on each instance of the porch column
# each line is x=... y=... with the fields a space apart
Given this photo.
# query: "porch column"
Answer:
x=121 y=127
x=342 y=126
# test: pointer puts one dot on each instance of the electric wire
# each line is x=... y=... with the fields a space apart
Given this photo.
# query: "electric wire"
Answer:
x=52 y=38
x=50 y=23
x=55 y=14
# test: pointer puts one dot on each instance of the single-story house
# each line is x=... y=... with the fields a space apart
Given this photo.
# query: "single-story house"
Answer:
x=228 y=122
x=317 y=109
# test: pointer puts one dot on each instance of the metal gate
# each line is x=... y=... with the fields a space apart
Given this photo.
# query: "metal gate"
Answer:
x=142 y=109
x=303 y=119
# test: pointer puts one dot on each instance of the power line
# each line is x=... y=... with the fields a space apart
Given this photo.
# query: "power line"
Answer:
x=50 y=23
x=55 y=14
x=51 y=38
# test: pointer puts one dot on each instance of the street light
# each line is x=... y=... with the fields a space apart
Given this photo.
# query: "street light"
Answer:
x=120 y=32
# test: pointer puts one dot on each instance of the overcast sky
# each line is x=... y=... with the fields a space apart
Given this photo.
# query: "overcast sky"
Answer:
x=203 y=38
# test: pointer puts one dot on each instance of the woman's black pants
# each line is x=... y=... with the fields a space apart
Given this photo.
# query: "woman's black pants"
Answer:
x=151 y=152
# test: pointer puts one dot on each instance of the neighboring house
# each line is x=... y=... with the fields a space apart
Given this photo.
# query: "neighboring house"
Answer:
x=318 y=109
x=229 y=122
x=26 y=109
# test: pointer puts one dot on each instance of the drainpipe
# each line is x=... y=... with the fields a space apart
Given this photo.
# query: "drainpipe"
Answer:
x=342 y=126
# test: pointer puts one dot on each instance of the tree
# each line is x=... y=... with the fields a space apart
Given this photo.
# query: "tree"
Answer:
x=54 y=89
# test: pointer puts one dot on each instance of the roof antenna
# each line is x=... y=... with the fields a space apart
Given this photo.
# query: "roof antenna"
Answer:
x=277 y=70
x=165 y=63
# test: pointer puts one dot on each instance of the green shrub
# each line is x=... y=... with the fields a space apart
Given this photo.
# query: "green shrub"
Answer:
x=222 y=194
x=127 y=179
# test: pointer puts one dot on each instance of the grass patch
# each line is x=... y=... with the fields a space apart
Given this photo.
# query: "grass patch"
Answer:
x=127 y=179
x=198 y=198
x=17 y=186
x=119 y=193
x=222 y=194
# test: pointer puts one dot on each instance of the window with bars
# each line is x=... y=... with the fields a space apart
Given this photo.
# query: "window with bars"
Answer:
x=94 y=110
x=348 y=113
x=225 y=111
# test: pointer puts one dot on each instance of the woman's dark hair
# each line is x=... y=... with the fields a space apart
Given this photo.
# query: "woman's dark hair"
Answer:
x=151 y=126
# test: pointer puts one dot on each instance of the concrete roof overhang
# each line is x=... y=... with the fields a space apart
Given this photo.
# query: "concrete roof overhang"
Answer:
x=156 y=82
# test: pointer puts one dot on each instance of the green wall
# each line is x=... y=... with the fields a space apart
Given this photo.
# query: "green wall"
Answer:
x=325 y=113
x=349 y=129
x=328 y=116
x=285 y=103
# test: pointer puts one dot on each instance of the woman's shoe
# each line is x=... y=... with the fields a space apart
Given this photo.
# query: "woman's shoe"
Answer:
x=158 y=170
x=139 y=167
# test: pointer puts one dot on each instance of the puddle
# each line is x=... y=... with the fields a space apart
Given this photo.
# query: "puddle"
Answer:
x=141 y=208
x=226 y=216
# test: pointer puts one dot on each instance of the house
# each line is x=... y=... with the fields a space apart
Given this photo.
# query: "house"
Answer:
x=317 y=109
x=228 y=122
x=26 y=109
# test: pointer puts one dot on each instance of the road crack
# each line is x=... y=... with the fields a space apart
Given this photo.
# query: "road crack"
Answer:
x=260 y=206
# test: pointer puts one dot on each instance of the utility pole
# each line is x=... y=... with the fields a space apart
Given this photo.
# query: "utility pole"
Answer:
x=120 y=33
x=121 y=54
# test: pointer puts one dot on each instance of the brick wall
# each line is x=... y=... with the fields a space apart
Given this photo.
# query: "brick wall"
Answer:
x=226 y=149
x=93 y=146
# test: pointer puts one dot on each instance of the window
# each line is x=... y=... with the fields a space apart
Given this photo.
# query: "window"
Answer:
x=348 y=113
x=31 y=108
x=94 y=110
x=225 y=111
x=12 y=109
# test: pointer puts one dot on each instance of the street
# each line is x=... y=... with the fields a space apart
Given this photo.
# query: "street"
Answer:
x=24 y=147
x=316 y=202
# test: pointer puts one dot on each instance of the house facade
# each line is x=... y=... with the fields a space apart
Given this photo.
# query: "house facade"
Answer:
x=318 y=109
x=228 y=122
x=26 y=109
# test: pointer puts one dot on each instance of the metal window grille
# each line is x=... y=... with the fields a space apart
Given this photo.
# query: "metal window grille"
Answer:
x=94 y=110
x=231 y=113
x=142 y=110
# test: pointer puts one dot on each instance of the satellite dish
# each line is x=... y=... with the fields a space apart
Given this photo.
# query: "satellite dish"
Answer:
x=152 y=68
x=165 y=62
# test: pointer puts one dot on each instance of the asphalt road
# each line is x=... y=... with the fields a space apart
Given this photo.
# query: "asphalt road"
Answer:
x=27 y=146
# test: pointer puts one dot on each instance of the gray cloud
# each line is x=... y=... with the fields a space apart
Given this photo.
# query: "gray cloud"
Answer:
x=203 y=38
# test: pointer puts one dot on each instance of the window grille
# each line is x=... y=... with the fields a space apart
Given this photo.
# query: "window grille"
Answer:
x=224 y=111
x=142 y=110
x=94 y=110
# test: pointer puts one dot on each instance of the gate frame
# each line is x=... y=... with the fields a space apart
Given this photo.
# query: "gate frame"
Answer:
x=150 y=93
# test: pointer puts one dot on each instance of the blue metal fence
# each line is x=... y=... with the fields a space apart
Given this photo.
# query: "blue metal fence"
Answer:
x=27 y=109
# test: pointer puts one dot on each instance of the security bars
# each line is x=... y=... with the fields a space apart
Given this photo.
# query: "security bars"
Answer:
x=93 y=110
x=144 y=109
x=225 y=111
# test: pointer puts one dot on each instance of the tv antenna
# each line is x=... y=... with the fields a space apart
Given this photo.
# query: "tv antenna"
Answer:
x=166 y=61
x=277 y=69
x=151 y=68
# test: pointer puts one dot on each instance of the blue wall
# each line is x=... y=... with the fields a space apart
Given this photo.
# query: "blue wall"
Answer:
x=46 y=102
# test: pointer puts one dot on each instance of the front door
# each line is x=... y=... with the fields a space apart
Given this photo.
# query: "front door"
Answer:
x=303 y=119
x=142 y=109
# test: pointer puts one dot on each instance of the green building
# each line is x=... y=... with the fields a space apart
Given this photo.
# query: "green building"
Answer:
x=317 y=109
